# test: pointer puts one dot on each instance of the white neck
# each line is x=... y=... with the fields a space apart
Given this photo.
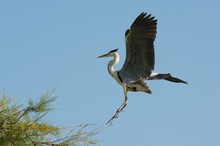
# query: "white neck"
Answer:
x=111 y=64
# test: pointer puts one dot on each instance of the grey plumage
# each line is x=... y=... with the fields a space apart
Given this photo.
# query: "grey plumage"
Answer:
x=139 y=48
x=140 y=59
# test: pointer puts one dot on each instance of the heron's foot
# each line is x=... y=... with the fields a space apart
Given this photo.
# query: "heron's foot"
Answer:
x=116 y=114
x=118 y=111
x=111 y=120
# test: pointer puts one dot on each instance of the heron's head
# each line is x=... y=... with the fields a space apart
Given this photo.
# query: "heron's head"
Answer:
x=109 y=54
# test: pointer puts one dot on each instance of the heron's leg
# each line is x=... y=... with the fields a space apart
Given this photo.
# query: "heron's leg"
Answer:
x=122 y=106
x=125 y=101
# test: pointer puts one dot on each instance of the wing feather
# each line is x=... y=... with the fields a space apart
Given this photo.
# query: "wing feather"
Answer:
x=139 y=48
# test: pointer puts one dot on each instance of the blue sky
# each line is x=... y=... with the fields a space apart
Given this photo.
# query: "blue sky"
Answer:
x=54 y=44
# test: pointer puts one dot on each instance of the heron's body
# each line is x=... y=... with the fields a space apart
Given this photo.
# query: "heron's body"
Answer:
x=135 y=86
x=140 y=60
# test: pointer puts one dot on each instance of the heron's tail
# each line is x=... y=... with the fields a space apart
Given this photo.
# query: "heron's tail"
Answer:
x=167 y=77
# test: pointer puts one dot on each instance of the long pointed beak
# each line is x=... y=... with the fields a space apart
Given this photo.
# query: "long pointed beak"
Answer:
x=105 y=55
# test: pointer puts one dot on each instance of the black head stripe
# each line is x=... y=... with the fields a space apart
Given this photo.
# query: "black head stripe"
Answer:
x=115 y=50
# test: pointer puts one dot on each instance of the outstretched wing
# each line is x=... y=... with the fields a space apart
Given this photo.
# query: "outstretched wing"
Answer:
x=139 y=48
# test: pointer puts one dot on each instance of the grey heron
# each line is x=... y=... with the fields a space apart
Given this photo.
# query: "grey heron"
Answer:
x=140 y=60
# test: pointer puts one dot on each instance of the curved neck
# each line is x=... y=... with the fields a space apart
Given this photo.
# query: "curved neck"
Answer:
x=111 y=64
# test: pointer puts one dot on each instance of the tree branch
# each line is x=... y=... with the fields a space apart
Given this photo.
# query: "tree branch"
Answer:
x=29 y=138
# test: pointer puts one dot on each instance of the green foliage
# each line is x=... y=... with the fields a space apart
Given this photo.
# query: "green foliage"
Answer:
x=21 y=125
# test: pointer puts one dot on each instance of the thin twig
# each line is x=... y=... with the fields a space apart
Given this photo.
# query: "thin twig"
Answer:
x=25 y=111
x=30 y=139
x=67 y=136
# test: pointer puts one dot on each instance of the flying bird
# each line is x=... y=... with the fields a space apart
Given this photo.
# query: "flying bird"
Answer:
x=140 y=60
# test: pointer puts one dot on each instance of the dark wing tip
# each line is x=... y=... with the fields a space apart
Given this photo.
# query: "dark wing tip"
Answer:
x=144 y=16
x=140 y=19
x=175 y=80
x=167 y=77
